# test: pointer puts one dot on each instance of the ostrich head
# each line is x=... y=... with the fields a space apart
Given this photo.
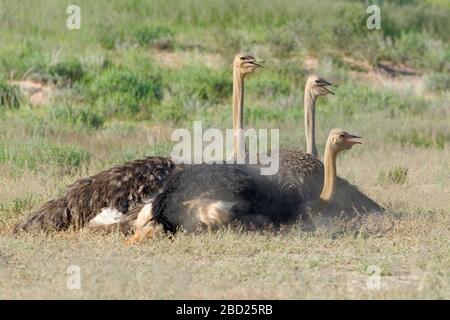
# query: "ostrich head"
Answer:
x=339 y=140
x=318 y=85
x=245 y=63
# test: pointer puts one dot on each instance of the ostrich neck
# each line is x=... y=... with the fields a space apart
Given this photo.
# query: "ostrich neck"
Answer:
x=238 y=110
x=329 y=181
x=310 y=124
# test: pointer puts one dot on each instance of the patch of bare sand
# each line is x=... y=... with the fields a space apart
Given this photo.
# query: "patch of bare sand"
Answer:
x=387 y=76
x=37 y=93
x=180 y=59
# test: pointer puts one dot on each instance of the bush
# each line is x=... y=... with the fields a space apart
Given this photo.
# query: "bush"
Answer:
x=67 y=71
x=269 y=84
x=80 y=117
x=124 y=91
x=10 y=96
x=25 y=59
x=160 y=37
x=172 y=111
x=397 y=175
x=199 y=84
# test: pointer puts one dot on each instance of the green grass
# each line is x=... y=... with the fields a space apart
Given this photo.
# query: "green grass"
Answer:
x=397 y=175
x=36 y=155
x=79 y=117
x=9 y=96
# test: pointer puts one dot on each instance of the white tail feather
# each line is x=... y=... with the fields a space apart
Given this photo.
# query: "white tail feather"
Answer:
x=106 y=216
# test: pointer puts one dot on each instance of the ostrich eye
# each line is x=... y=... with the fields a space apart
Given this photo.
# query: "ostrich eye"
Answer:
x=342 y=135
x=243 y=58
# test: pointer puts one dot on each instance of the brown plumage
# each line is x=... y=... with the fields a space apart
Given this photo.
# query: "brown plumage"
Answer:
x=125 y=186
x=305 y=173
x=122 y=187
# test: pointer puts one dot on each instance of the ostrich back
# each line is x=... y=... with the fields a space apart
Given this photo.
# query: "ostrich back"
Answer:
x=251 y=195
x=121 y=187
x=302 y=172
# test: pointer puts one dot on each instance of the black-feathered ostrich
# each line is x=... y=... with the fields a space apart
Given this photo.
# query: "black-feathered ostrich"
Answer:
x=301 y=173
x=214 y=195
x=109 y=196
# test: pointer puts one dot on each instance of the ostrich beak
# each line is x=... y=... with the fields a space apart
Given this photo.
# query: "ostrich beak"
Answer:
x=352 y=139
x=258 y=63
x=324 y=84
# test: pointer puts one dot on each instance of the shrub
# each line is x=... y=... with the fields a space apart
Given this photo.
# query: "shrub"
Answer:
x=160 y=37
x=124 y=91
x=10 y=96
x=67 y=71
x=195 y=84
x=25 y=59
x=80 y=117
x=397 y=175
x=270 y=85
x=170 y=111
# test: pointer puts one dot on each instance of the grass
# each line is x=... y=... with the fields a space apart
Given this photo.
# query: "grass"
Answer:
x=397 y=175
x=9 y=96
x=229 y=264
x=139 y=69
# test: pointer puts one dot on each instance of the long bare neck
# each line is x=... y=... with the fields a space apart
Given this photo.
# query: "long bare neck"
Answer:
x=329 y=181
x=310 y=121
x=238 y=111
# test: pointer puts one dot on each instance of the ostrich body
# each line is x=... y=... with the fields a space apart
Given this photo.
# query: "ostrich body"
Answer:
x=215 y=195
x=114 y=191
x=303 y=171
x=110 y=196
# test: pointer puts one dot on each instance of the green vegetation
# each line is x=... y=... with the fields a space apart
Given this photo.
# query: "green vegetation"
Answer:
x=397 y=175
x=78 y=117
x=9 y=96
x=121 y=91
x=36 y=155
x=123 y=78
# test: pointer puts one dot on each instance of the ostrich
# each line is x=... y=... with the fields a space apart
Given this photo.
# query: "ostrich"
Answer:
x=109 y=196
x=314 y=88
x=215 y=195
x=302 y=171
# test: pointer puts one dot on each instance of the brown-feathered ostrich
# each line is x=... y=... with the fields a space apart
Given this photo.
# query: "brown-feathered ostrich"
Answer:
x=109 y=196
x=214 y=195
x=304 y=172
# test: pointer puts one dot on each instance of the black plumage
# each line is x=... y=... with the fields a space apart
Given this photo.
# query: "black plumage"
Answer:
x=255 y=197
x=122 y=187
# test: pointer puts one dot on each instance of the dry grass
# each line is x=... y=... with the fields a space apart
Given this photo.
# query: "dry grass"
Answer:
x=411 y=251
x=409 y=245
